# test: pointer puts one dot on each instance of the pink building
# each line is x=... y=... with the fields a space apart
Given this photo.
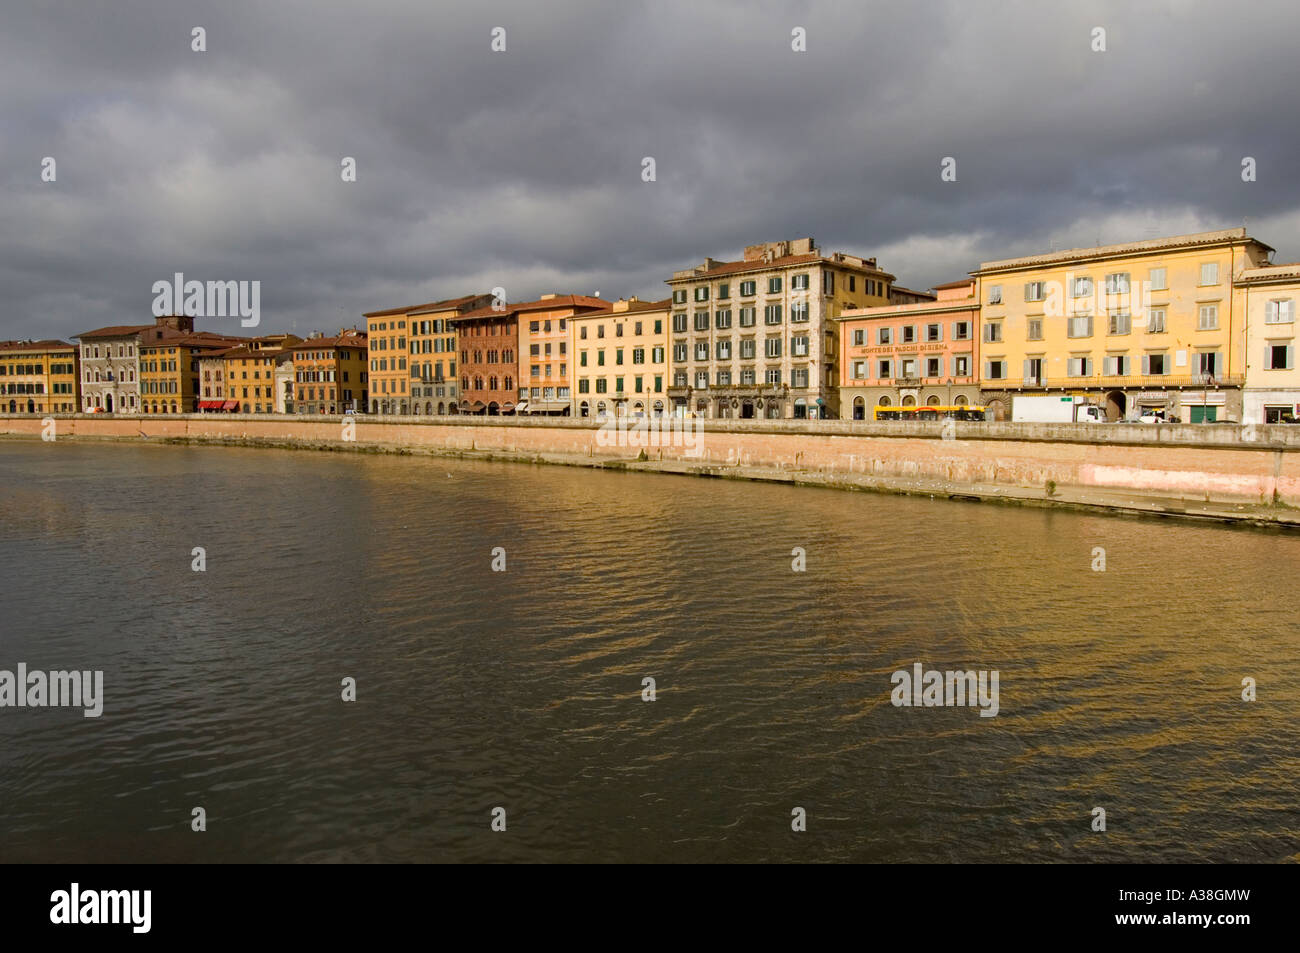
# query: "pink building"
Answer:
x=915 y=354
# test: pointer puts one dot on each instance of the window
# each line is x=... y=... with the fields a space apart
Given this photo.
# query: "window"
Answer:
x=1207 y=317
x=1079 y=326
x=961 y=331
x=993 y=332
x=602 y=384
x=1079 y=367
x=702 y=380
x=701 y=350
x=657 y=354
x=934 y=367
x=934 y=332
x=747 y=289
x=1281 y=311
x=1034 y=329
x=828 y=282
x=772 y=347
x=618 y=358
x=701 y=320
x=702 y=293
x=747 y=378
x=961 y=366
x=995 y=294
x=799 y=346
x=908 y=334
x=747 y=317
x=884 y=335
x=600 y=359
x=1155 y=365
x=772 y=314
x=1117 y=283
x=724 y=378
x=1081 y=287
x=774 y=285
x=1207 y=363
x=995 y=370
x=859 y=337
x=772 y=375
x=679 y=296
x=1034 y=291
x=1277 y=357
x=1158 y=279
x=638 y=355
x=1034 y=370
x=722 y=320
x=1210 y=273
x=798 y=283
x=885 y=367
x=1156 y=321
x=679 y=322
x=1119 y=323
x=679 y=353
x=799 y=377
x=724 y=292
x=747 y=349
x=860 y=370
x=799 y=311
x=723 y=350
x=1116 y=365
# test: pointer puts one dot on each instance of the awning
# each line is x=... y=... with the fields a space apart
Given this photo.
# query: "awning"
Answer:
x=547 y=406
x=523 y=405
x=230 y=405
x=210 y=405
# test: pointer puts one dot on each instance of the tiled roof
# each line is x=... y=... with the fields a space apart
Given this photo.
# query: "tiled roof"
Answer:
x=36 y=346
x=346 y=340
x=739 y=267
x=1173 y=243
x=446 y=305
x=561 y=301
x=116 y=330
x=633 y=307
x=918 y=308
x=1268 y=273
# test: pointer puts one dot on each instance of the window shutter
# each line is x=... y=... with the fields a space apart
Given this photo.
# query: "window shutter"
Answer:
x=1288 y=310
x=1290 y=356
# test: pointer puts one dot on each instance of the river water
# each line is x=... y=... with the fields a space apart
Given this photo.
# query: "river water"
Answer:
x=523 y=689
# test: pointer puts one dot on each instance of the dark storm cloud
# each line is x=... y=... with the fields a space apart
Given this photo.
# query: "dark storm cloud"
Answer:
x=522 y=168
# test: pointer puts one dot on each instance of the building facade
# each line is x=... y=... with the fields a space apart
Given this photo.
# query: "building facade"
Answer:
x=621 y=360
x=170 y=370
x=924 y=353
x=488 y=341
x=1144 y=326
x=759 y=337
x=545 y=362
x=330 y=373
x=110 y=362
x=1269 y=295
x=435 y=386
x=39 y=377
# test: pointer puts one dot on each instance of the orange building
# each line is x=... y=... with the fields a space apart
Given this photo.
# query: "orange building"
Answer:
x=545 y=364
x=925 y=352
x=331 y=374
x=170 y=374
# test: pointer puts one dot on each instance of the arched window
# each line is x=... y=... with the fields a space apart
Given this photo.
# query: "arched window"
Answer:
x=933 y=401
x=885 y=402
x=510 y=383
x=960 y=400
x=909 y=401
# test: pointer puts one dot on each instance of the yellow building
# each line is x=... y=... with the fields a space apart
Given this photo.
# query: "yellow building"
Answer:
x=621 y=360
x=1272 y=393
x=759 y=337
x=432 y=345
x=1143 y=326
x=38 y=377
x=170 y=372
x=545 y=364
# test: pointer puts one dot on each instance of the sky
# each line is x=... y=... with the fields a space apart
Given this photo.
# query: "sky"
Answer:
x=523 y=168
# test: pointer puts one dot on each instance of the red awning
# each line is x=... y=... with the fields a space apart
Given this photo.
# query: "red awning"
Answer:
x=210 y=405
x=230 y=405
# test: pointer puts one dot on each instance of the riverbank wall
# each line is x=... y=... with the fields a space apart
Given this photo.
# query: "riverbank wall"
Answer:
x=1221 y=472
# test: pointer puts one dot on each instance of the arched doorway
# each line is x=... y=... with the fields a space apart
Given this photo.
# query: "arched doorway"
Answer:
x=746 y=409
x=859 y=408
x=659 y=408
x=996 y=409
x=108 y=403
x=773 y=409
x=31 y=406
x=13 y=406
x=494 y=409
x=1116 y=405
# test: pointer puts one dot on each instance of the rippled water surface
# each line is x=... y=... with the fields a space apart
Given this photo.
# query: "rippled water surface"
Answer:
x=522 y=688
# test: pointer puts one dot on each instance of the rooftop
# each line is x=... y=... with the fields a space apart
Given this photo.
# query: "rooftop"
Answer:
x=1173 y=243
